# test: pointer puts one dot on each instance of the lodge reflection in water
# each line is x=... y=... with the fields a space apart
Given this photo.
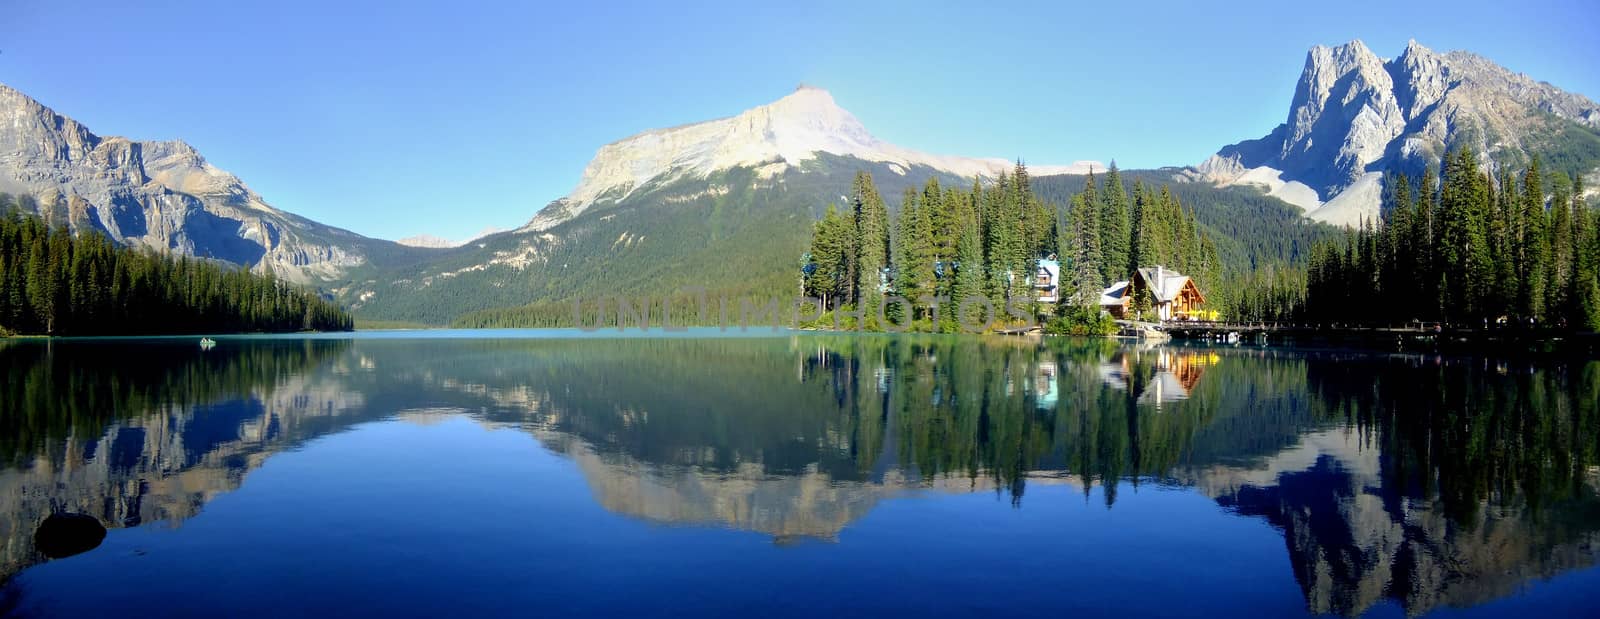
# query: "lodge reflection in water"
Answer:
x=1423 y=480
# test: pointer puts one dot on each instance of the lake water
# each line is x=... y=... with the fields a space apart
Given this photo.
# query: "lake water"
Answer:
x=562 y=474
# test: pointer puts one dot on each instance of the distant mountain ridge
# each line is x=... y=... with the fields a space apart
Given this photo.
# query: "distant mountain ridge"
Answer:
x=434 y=242
x=1355 y=115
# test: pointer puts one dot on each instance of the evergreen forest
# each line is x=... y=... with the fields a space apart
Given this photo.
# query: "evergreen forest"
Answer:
x=55 y=283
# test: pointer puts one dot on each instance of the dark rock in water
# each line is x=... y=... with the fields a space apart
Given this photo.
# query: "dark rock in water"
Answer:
x=64 y=535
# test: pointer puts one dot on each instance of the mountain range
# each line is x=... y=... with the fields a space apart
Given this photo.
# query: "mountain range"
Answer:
x=727 y=204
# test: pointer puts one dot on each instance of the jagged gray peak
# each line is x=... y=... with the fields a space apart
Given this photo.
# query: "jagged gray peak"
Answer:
x=1346 y=113
x=1355 y=115
x=157 y=194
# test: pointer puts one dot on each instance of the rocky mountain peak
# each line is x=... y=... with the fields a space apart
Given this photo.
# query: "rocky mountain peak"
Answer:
x=24 y=122
x=1355 y=115
x=1344 y=112
x=809 y=107
x=1423 y=80
x=158 y=194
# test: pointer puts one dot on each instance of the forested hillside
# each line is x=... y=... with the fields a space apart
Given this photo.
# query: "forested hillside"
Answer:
x=737 y=235
x=55 y=283
x=734 y=233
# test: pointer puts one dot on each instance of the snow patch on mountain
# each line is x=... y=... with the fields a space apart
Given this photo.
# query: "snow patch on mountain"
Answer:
x=1358 y=203
x=1271 y=181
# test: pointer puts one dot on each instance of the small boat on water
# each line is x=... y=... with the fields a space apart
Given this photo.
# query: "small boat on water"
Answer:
x=207 y=343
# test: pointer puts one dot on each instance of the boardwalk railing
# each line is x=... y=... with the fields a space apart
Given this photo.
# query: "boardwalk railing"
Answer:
x=1415 y=326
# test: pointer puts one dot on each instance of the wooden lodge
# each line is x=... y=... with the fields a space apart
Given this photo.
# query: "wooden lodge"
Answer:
x=1172 y=295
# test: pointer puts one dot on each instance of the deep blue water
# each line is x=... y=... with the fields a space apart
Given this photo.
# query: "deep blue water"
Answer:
x=476 y=474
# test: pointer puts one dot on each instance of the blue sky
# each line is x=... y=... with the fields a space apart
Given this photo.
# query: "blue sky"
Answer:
x=397 y=118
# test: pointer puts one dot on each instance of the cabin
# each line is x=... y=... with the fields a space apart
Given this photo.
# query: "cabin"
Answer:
x=1173 y=295
x=1114 y=300
x=1047 y=280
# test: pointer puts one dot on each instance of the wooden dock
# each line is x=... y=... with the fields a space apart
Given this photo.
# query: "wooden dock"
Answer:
x=1417 y=334
x=1142 y=330
x=1262 y=332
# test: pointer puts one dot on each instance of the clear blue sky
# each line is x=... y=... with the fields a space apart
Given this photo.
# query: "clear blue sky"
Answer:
x=399 y=118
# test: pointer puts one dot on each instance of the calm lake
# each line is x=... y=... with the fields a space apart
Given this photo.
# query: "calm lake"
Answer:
x=558 y=474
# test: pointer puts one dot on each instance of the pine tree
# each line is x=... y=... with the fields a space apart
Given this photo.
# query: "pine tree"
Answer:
x=1115 y=227
x=1535 y=244
x=1464 y=256
x=914 y=277
x=829 y=240
x=41 y=285
x=960 y=215
x=872 y=242
x=6 y=283
x=1088 y=268
x=1559 y=271
x=1091 y=200
x=1503 y=226
x=1191 y=260
x=969 y=269
x=1585 y=293
x=941 y=218
x=1590 y=307
x=1171 y=228
x=1000 y=239
x=1148 y=242
x=1429 y=302
x=1397 y=219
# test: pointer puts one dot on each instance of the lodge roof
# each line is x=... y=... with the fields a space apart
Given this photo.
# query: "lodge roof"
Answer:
x=1166 y=291
x=1170 y=284
x=1115 y=294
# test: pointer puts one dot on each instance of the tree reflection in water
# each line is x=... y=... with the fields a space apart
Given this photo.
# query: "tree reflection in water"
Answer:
x=1424 y=480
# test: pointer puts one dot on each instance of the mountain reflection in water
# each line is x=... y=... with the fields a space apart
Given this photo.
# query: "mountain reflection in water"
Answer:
x=1421 y=480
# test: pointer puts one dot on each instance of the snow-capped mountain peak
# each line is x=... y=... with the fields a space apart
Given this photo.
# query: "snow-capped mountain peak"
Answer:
x=770 y=138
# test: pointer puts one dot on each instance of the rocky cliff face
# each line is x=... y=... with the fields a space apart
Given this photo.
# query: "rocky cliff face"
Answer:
x=161 y=195
x=771 y=139
x=1355 y=115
